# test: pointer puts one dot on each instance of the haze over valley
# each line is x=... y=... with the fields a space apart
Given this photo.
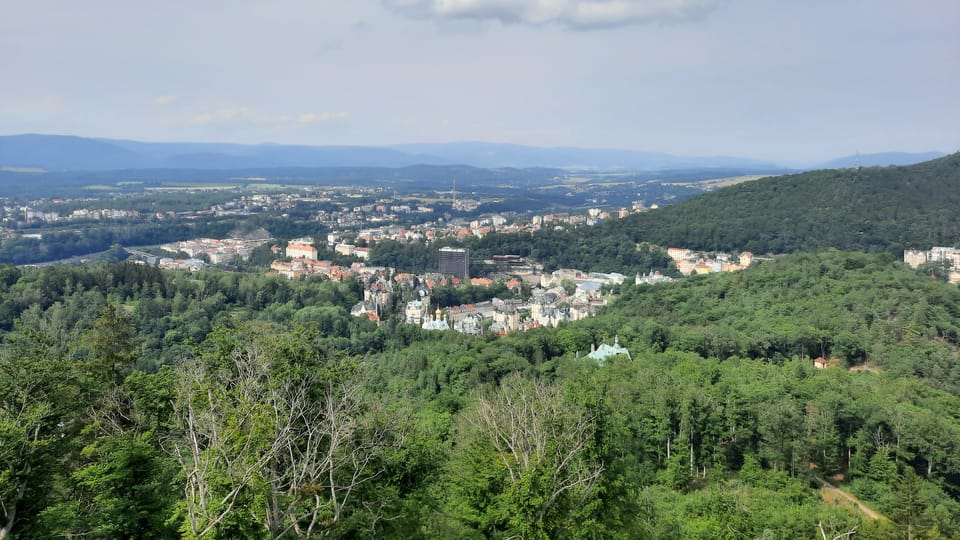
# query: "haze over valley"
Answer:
x=627 y=269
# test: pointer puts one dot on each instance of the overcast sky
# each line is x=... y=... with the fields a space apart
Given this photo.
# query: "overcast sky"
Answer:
x=788 y=80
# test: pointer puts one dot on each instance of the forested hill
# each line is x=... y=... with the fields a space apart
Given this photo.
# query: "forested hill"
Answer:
x=876 y=209
x=136 y=403
x=851 y=307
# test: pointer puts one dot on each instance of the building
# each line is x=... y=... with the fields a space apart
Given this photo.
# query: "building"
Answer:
x=948 y=255
x=416 y=312
x=605 y=351
x=301 y=251
x=437 y=323
x=345 y=249
x=652 y=277
x=914 y=257
x=455 y=262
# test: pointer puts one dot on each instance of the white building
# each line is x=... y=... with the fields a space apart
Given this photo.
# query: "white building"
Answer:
x=345 y=249
x=415 y=312
x=301 y=251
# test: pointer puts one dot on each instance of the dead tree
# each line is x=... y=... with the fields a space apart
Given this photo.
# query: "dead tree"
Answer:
x=307 y=439
x=532 y=428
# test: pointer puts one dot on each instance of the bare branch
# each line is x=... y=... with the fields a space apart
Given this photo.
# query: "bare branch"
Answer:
x=532 y=428
x=312 y=441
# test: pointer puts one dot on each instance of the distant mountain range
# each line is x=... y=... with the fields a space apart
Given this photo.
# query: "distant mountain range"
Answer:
x=62 y=152
x=481 y=154
x=882 y=159
x=873 y=209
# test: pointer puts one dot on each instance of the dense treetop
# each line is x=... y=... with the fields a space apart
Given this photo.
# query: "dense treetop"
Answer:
x=847 y=306
x=137 y=402
x=871 y=209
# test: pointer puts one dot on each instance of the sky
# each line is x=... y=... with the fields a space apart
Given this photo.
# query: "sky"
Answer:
x=784 y=80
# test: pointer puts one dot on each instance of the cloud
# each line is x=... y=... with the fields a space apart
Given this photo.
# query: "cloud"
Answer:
x=163 y=101
x=310 y=118
x=226 y=116
x=576 y=14
x=248 y=115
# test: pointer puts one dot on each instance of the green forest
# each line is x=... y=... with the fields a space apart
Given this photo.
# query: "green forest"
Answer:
x=143 y=403
x=875 y=209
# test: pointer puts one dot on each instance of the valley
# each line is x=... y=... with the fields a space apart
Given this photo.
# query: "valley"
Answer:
x=572 y=373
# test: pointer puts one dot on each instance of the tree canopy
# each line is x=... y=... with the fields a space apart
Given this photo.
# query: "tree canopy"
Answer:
x=143 y=403
x=875 y=209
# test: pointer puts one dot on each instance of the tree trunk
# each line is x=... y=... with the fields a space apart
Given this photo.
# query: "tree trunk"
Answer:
x=12 y=516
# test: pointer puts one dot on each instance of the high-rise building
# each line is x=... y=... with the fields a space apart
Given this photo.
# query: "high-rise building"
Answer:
x=455 y=262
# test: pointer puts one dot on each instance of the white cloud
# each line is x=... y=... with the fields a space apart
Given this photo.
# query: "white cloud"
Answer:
x=163 y=101
x=310 y=118
x=226 y=116
x=248 y=115
x=578 y=14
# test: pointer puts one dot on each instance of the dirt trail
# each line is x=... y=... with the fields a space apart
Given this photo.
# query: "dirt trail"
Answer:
x=831 y=493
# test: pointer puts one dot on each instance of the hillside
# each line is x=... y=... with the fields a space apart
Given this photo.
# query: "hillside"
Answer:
x=850 y=307
x=877 y=209
x=133 y=399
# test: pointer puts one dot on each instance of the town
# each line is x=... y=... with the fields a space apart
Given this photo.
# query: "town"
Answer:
x=513 y=293
x=370 y=213
x=516 y=294
x=536 y=298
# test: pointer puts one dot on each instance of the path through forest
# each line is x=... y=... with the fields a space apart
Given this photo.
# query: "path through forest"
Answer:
x=833 y=494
